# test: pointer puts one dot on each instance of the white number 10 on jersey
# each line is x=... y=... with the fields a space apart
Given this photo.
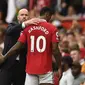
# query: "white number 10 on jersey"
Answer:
x=38 y=43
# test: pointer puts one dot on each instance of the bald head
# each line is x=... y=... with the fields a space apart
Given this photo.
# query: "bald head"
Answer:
x=23 y=15
x=23 y=10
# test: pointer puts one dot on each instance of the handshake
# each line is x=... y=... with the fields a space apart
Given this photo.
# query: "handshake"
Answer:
x=2 y=59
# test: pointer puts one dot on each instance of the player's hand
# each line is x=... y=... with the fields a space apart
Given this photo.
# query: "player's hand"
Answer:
x=33 y=21
x=59 y=73
x=1 y=58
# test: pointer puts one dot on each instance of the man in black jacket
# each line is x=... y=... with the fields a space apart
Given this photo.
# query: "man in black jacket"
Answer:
x=12 y=72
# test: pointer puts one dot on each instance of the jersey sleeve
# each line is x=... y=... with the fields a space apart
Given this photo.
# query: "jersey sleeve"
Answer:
x=22 y=37
x=55 y=36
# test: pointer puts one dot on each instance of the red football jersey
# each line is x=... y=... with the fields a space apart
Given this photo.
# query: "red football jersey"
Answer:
x=39 y=39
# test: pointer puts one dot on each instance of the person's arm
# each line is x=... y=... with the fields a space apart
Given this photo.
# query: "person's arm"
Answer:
x=56 y=53
x=14 y=50
x=14 y=28
x=64 y=18
x=55 y=50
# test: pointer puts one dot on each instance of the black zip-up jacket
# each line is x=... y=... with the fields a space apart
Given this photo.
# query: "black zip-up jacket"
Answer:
x=12 y=34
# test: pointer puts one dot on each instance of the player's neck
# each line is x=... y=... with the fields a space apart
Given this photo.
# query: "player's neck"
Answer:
x=42 y=17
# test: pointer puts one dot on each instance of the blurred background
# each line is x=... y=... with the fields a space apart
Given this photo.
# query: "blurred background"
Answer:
x=69 y=19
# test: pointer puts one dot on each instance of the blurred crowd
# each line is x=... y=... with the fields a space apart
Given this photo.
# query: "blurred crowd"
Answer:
x=64 y=9
x=72 y=40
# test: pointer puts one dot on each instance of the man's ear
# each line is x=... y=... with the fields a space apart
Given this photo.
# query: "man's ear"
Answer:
x=46 y=14
x=17 y=17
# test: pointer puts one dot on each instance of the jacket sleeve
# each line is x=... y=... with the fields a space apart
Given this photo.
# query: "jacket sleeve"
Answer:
x=13 y=29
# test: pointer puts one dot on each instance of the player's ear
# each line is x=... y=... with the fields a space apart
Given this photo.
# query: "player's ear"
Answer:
x=18 y=17
x=46 y=14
